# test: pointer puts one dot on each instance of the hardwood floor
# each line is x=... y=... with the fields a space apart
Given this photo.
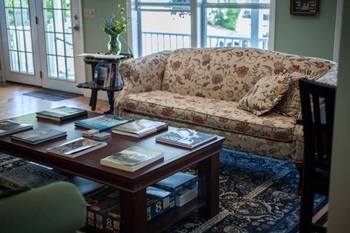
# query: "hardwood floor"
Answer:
x=13 y=103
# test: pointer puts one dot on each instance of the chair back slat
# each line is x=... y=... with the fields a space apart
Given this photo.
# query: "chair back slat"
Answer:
x=317 y=107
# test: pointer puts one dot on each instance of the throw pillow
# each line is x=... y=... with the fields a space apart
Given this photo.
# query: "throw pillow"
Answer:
x=265 y=94
x=290 y=102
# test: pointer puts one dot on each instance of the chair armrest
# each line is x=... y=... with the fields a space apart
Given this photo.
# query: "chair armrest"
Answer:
x=58 y=207
x=142 y=74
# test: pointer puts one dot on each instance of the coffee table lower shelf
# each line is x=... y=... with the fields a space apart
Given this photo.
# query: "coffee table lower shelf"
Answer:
x=165 y=220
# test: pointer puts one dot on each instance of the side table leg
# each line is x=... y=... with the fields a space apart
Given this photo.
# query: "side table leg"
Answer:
x=208 y=184
x=133 y=211
x=110 y=95
x=93 y=99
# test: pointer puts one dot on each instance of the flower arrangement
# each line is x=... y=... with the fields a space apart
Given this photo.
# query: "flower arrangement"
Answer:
x=117 y=23
x=114 y=26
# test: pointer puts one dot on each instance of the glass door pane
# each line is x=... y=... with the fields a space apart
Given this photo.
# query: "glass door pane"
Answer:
x=19 y=36
x=59 y=39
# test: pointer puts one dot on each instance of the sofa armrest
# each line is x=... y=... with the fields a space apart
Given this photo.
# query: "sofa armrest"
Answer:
x=142 y=74
x=58 y=207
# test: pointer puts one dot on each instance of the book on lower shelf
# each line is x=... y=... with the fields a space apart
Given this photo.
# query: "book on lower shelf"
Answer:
x=140 y=128
x=10 y=126
x=132 y=158
x=76 y=147
x=185 y=137
x=38 y=135
x=86 y=186
x=102 y=122
x=177 y=182
x=61 y=113
x=29 y=176
x=186 y=195
x=103 y=207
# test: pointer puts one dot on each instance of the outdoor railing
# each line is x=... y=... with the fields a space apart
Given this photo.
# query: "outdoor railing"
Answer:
x=153 y=42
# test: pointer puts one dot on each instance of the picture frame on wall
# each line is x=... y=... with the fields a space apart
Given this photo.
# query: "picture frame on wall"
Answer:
x=304 y=7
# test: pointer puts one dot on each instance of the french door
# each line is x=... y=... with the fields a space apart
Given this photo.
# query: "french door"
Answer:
x=40 y=39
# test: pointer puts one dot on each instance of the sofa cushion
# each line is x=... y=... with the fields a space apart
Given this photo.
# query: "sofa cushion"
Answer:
x=229 y=73
x=213 y=113
x=290 y=104
x=265 y=94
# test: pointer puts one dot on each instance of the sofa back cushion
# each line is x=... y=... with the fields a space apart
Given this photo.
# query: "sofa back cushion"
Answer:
x=229 y=73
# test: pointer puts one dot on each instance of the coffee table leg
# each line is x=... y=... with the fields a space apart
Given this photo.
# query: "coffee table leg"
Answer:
x=133 y=211
x=208 y=184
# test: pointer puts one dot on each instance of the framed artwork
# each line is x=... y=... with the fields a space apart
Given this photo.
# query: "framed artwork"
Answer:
x=304 y=7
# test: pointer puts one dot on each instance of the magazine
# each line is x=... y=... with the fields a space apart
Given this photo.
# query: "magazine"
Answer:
x=76 y=147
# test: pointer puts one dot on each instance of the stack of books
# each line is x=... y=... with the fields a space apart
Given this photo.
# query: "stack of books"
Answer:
x=103 y=208
x=183 y=186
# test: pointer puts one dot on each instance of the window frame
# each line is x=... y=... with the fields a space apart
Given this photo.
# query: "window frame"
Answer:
x=197 y=8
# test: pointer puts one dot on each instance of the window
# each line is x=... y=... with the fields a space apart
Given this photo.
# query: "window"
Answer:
x=171 y=24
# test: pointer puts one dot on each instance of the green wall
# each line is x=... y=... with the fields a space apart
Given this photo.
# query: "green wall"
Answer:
x=303 y=35
x=306 y=35
x=94 y=38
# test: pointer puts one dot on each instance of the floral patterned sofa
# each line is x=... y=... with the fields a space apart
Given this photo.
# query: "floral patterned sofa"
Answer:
x=249 y=96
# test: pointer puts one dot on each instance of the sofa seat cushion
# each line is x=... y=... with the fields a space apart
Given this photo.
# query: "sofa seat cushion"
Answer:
x=213 y=113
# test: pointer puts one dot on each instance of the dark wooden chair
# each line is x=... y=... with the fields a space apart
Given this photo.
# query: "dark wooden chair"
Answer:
x=317 y=107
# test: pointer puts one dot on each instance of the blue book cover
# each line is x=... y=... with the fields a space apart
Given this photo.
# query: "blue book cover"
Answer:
x=177 y=182
x=102 y=122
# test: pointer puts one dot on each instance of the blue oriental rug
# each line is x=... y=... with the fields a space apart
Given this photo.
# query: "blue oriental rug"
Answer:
x=257 y=194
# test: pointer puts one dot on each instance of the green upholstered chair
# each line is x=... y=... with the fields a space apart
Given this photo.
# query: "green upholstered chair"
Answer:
x=58 y=207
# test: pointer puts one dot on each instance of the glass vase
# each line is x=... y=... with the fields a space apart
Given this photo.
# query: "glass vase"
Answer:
x=114 y=45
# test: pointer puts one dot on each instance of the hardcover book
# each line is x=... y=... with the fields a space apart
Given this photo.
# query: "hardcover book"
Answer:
x=76 y=147
x=9 y=162
x=186 y=195
x=185 y=137
x=29 y=176
x=103 y=207
x=177 y=182
x=9 y=126
x=140 y=128
x=132 y=158
x=61 y=113
x=85 y=186
x=102 y=122
x=39 y=135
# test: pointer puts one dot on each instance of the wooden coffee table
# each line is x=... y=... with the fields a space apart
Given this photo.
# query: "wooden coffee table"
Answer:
x=132 y=185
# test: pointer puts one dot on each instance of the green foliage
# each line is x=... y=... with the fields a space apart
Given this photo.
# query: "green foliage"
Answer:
x=225 y=18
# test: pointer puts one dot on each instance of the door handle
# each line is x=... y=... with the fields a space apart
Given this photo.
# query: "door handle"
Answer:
x=76 y=27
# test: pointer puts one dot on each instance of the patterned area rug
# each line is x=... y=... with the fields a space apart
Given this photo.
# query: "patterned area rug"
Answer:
x=51 y=95
x=257 y=194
